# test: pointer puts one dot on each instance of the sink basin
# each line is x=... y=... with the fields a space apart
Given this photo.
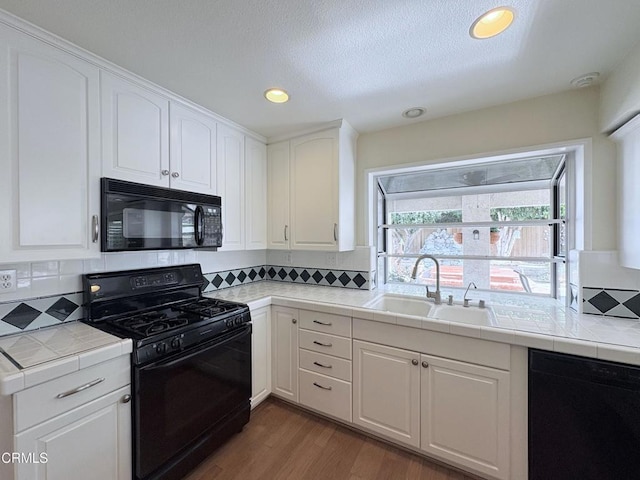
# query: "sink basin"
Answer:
x=401 y=304
x=458 y=313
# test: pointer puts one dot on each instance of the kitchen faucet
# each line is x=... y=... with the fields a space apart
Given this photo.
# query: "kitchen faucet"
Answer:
x=435 y=295
x=465 y=301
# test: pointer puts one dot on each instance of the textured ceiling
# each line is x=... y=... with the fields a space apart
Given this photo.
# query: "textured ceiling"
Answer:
x=362 y=60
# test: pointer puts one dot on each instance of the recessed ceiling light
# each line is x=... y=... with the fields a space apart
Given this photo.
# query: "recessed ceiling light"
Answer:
x=585 y=80
x=276 y=95
x=492 y=23
x=414 y=112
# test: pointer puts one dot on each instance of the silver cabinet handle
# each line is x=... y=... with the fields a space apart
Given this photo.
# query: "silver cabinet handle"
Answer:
x=293 y=320
x=95 y=228
x=335 y=232
x=320 y=386
x=323 y=344
x=425 y=364
x=164 y=172
x=81 y=388
x=126 y=398
x=323 y=366
x=414 y=362
x=286 y=227
x=322 y=323
x=175 y=174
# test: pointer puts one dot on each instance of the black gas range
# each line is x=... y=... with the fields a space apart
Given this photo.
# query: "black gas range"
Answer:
x=191 y=363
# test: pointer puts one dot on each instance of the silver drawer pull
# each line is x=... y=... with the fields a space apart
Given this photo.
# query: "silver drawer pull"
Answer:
x=81 y=388
x=323 y=344
x=323 y=366
x=322 y=323
x=320 y=386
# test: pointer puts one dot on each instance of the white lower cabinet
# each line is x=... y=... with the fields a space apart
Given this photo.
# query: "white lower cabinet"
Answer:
x=75 y=427
x=325 y=363
x=91 y=441
x=465 y=415
x=284 y=338
x=386 y=391
x=260 y=355
x=454 y=411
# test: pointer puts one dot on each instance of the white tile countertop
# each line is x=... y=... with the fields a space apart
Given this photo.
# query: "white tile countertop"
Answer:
x=535 y=322
x=27 y=359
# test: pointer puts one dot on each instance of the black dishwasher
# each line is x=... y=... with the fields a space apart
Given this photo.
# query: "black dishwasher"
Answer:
x=584 y=418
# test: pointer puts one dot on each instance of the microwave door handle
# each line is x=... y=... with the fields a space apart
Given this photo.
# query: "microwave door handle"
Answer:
x=198 y=225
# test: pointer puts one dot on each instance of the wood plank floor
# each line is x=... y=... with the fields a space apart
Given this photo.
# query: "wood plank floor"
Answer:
x=283 y=442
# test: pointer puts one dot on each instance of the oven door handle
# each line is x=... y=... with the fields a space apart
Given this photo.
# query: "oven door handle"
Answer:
x=218 y=342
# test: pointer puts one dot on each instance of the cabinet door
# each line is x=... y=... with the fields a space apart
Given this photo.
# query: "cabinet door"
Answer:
x=260 y=355
x=49 y=151
x=386 y=391
x=465 y=415
x=91 y=441
x=284 y=376
x=255 y=194
x=231 y=186
x=193 y=150
x=135 y=132
x=314 y=191
x=279 y=229
x=628 y=137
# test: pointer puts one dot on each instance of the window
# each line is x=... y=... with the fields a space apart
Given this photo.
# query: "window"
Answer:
x=500 y=225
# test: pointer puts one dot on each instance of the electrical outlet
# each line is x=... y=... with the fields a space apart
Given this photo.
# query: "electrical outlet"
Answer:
x=331 y=260
x=287 y=258
x=8 y=281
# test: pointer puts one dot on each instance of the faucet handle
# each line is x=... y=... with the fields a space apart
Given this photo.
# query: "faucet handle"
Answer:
x=450 y=300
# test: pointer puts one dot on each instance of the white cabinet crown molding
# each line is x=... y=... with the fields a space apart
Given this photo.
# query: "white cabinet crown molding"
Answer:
x=339 y=123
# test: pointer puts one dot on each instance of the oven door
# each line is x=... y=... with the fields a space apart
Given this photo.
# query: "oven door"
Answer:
x=181 y=398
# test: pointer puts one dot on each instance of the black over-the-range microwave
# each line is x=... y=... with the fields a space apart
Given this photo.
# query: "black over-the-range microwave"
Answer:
x=144 y=217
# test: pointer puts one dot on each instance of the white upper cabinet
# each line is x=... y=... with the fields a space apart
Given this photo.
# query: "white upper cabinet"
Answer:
x=193 y=150
x=50 y=151
x=319 y=211
x=255 y=194
x=278 y=230
x=230 y=186
x=628 y=138
x=135 y=132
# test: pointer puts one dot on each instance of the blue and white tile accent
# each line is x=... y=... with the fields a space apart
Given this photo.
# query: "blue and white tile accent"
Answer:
x=611 y=302
x=21 y=316
x=317 y=276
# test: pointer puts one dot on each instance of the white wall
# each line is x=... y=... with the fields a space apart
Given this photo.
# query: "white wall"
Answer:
x=621 y=92
x=549 y=119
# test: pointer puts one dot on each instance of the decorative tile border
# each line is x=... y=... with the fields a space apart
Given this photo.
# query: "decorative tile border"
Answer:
x=232 y=278
x=20 y=316
x=574 y=297
x=611 y=302
x=318 y=276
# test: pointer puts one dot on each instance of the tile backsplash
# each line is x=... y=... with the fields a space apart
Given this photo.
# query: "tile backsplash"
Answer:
x=604 y=287
x=50 y=292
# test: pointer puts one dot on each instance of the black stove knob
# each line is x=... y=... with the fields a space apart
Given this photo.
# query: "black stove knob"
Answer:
x=229 y=322
x=161 y=348
x=176 y=343
x=238 y=320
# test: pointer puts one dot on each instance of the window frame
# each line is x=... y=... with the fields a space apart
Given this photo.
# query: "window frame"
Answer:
x=554 y=222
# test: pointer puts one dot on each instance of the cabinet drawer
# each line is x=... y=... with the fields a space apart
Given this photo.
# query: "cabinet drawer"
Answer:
x=326 y=365
x=40 y=403
x=325 y=323
x=328 y=344
x=326 y=394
